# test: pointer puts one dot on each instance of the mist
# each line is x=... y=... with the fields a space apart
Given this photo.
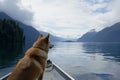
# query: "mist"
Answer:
x=15 y=10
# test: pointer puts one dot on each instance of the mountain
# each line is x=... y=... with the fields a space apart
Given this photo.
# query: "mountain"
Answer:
x=31 y=34
x=87 y=36
x=4 y=16
x=109 y=34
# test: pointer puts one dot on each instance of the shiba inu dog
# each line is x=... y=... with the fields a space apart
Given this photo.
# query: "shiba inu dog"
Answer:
x=32 y=65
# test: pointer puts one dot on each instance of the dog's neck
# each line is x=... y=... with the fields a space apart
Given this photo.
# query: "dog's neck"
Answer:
x=39 y=47
x=43 y=55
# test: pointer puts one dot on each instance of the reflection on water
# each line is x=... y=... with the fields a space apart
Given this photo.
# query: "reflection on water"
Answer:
x=111 y=50
x=88 y=61
x=9 y=53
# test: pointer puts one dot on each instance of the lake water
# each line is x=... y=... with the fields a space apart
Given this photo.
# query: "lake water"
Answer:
x=87 y=61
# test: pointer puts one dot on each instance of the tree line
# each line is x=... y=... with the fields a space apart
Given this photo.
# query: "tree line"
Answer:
x=10 y=31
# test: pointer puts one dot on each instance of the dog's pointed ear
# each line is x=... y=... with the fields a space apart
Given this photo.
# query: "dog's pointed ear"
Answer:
x=47 y=38
x=40 y=36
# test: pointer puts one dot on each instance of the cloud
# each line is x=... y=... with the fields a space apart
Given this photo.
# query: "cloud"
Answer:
x=70 y=17
x=66 y=18
x=108 y=18
x=16 y=10
x=59 y=15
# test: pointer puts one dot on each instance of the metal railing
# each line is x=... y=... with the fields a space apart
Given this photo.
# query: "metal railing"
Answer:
x=5 y=76
x=62 y=72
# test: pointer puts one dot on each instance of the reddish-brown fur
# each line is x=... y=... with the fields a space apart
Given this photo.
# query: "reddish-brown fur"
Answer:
x=32 y=65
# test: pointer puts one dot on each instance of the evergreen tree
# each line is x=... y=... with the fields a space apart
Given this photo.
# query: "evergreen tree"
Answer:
x=10 y=31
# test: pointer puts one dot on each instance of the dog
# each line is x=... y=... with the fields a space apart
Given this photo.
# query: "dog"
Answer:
x=32 y=65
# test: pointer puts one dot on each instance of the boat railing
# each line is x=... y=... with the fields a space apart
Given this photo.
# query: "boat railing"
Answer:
x=5 y=76
x=62 y=72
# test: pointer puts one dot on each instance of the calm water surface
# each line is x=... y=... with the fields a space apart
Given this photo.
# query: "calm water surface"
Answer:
x=87 y=61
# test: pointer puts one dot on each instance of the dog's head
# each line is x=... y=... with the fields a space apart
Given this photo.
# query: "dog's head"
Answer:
x=42 y=42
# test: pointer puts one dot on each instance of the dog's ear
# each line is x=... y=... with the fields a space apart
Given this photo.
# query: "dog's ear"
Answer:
x=47 y=38
x=40 y=36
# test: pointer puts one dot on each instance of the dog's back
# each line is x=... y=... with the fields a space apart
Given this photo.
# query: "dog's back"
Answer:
x=32 y=65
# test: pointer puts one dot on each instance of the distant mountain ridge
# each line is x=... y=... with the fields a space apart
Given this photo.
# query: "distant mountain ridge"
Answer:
x=87 y=36
x=109 y=34
x=31 y=34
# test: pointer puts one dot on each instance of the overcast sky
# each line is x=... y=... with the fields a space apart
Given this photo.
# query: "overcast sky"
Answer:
x=66 y=18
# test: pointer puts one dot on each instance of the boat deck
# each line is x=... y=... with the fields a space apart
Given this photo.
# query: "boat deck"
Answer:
x=52 y=75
